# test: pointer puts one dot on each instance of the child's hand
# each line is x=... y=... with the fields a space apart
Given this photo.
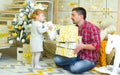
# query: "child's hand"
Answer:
x=50 y=27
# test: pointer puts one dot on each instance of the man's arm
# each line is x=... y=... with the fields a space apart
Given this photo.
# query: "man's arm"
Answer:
x=84 y=46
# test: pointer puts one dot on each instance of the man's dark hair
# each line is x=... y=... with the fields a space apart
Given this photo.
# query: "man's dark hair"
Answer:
x=80 y=11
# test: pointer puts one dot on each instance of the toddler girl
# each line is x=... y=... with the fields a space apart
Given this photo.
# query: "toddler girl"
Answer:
x=36 y=40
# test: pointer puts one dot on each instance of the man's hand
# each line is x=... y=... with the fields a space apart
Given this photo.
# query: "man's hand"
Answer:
x=78 y=48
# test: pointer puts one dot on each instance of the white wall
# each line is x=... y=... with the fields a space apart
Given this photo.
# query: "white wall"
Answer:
x=3 y=3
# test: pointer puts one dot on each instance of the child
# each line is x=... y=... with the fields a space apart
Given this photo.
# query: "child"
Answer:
x=36 y=40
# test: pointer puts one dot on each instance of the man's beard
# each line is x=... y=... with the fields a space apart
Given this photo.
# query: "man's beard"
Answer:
x=73 y=21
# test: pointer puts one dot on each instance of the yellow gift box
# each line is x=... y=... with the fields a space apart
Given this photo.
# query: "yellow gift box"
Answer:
x=65 y=52
x=26 y=48
x=68 y=33
x=27 y=58
x=69 y=29
x=26 y=54
x=66 y=38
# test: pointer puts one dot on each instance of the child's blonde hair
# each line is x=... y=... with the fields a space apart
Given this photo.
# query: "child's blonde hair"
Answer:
x=35 y=13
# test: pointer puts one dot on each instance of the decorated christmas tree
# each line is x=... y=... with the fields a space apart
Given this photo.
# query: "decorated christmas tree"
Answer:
x=20 y=30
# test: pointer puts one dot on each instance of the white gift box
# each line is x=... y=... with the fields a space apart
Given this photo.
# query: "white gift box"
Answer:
x=19 y=54
x=71 y=45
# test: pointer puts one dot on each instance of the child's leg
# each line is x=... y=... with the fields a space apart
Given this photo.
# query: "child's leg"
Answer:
x=33 y=60
x=37 y=61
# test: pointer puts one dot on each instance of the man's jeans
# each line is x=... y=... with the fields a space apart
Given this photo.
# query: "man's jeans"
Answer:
x=74 y=65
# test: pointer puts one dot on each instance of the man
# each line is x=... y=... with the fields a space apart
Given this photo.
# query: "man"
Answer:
x=88 y=51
